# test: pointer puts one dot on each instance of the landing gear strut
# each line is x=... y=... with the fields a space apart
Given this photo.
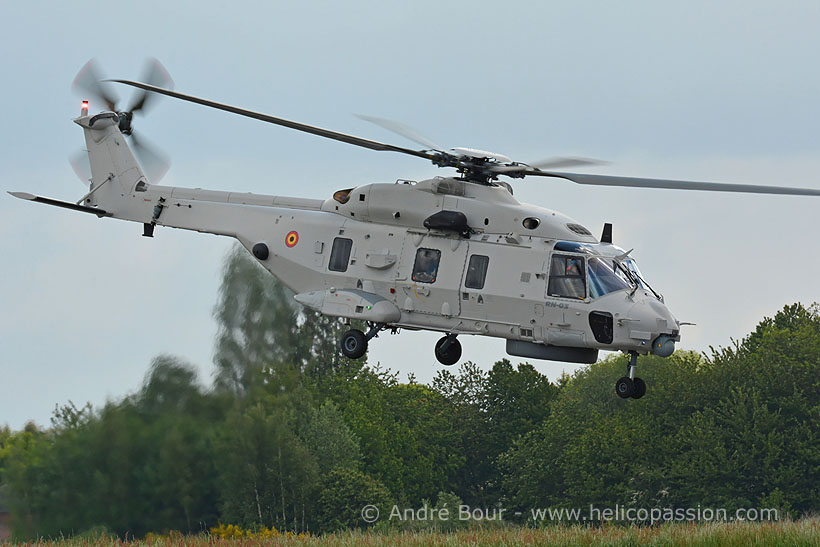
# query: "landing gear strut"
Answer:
x=354 y=341
x=448 y=350
x=630 y=385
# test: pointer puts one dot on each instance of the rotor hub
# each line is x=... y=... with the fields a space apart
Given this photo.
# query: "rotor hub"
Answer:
x=125 y=122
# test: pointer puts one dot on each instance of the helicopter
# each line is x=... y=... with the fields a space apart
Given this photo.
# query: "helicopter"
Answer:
x=456 y=254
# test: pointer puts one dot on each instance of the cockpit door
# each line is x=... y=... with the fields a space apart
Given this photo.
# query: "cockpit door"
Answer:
x=565 y=305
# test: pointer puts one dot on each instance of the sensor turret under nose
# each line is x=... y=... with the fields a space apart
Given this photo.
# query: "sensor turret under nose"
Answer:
x=663 y=346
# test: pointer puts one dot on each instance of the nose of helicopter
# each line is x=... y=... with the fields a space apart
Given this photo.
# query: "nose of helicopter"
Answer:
x=650 y=319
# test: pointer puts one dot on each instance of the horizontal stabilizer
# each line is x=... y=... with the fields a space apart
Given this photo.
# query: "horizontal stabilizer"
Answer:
x=65 y=204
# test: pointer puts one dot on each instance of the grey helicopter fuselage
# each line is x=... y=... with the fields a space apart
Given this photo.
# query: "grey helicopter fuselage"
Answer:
x=457 y=255
x=365 y=253
x=495 y=281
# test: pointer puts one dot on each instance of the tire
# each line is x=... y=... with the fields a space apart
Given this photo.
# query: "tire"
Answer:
x=640 y=388
x=624 y=387
x=452 y=355
x=354 y=344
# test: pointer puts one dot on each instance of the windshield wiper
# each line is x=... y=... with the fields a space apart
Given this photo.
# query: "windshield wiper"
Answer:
x=634 y=277
x=629 y=275
x=648 y=286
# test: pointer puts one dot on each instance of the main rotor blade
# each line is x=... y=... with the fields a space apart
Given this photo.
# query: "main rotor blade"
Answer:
x=155 y=74
x=632 y=182
x=558 y=163
x=327 y=133
x=88 y=80
x=400 y=129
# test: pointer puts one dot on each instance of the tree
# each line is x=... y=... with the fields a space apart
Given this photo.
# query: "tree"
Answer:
x=515 y=401
x=138 y=465
x=179 y=420
x=267 y=476
x=738 y=429
x=22 y=456
x=491 y=410
x=759 y=442
x=405 y=431
x=595 y=448
x=465 y=395
x=330 y=440
x=260 y=323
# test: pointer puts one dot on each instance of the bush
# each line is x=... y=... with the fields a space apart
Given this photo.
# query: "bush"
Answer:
x=345 y=493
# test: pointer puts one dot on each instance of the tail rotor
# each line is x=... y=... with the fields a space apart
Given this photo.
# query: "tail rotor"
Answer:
x=89 y=81
x=79 y=163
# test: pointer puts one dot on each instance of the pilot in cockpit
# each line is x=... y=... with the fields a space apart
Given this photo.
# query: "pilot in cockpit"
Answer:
x=573 y=267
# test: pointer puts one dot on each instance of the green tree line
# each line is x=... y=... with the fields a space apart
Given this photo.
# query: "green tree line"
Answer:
x=291 y=435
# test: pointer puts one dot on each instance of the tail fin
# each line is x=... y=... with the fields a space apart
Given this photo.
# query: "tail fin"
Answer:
x=115 y=172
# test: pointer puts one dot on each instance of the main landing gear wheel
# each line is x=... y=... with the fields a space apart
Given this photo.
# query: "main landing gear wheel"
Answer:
x=354 y=344
x=448 y=350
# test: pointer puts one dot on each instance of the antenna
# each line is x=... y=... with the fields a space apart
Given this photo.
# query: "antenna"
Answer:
x=606 y=236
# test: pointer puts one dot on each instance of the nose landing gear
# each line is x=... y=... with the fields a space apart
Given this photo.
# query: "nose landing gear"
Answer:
x=630 y=385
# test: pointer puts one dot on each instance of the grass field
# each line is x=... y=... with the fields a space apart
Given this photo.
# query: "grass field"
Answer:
x=803 y=532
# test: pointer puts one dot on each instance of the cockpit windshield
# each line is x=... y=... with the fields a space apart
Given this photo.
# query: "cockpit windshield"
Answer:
x=608 y=269
x=632 y=266
x=603 y=279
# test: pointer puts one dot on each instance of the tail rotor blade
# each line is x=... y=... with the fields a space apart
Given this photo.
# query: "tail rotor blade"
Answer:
x=88 y=81
x=153 y=162
x=81 y=166
x=154 y=74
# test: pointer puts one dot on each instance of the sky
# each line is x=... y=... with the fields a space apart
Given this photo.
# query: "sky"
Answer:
x=714 y=91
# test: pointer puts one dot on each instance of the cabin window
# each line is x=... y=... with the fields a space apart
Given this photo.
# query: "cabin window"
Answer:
x=425 y=269
x=531 y=223
x=340 y=254
x=567 y=277
x=476 y=272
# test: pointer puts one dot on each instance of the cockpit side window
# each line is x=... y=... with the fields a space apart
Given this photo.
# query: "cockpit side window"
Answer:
x=567 y=277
